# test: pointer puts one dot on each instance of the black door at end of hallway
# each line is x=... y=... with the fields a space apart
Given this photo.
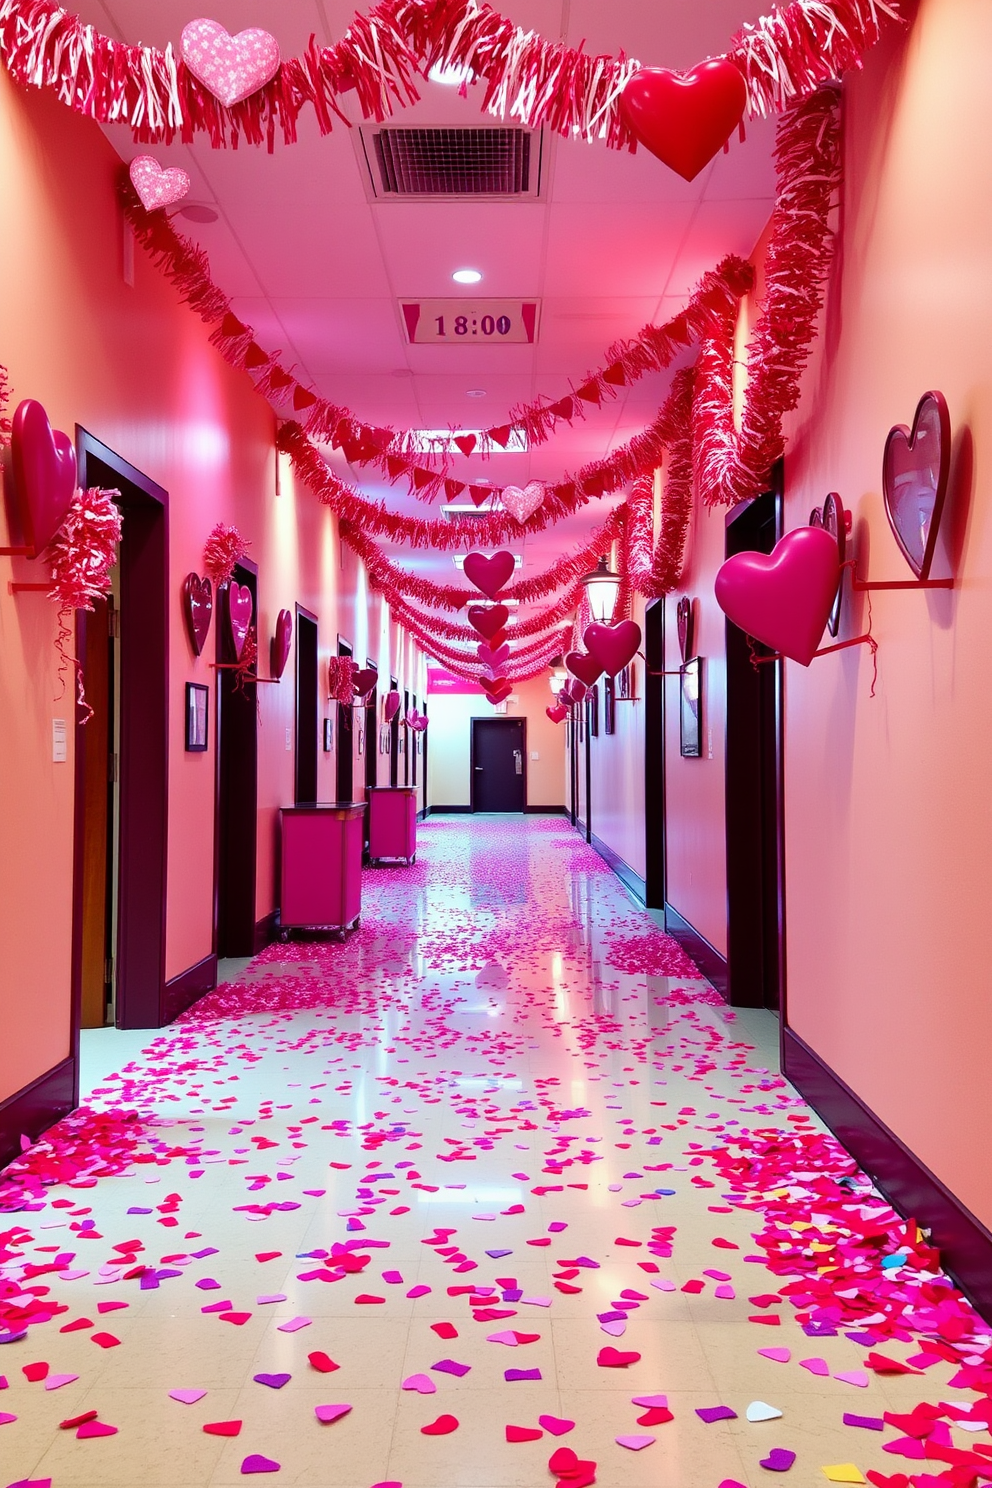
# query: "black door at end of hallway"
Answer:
x=499 y=764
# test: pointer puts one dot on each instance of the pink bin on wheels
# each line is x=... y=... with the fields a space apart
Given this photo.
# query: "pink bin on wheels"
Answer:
x=392 y=822
x=322 y=867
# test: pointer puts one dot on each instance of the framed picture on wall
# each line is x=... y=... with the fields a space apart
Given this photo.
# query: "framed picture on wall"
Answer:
x=691 y=708
x=328 y=735
x=625 y=682
x=361 y=736
x=609 y=706
x=197 y=705
x=592 y=702
x=384 y=739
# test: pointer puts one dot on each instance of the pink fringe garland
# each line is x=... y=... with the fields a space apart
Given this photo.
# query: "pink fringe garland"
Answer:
x=221 y=551
x=82 y=553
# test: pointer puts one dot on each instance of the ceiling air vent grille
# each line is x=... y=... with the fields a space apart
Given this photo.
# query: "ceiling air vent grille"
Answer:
x=453 y=162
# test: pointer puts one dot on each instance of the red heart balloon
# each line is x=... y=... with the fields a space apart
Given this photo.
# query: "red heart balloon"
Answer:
x=914 y=480
x=488 y=620
x=198 y=607
x=498 y=690
x=573 y=692
x=45 y=473
x=239 y=611
x=489 y=574
x=685 y=117
x=611 y=1358
x=584 y=667
x=783 y=598
x=365 y=681
x=281 y=642
x=612 y=646
x=391 y=706
x=557 y=714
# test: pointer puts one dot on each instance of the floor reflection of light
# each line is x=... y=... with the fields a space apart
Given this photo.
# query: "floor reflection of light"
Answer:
x=481 y=1195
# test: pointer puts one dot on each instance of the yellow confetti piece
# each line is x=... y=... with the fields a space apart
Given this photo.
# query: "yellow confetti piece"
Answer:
x=843 y=1472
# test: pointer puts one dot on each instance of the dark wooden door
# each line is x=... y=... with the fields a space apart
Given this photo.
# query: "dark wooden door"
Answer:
x=499 y=764
x=237 y=787
x=394 y=740
x=346 y=743
x=755 y=896
x=306 y=707
x=96 y=776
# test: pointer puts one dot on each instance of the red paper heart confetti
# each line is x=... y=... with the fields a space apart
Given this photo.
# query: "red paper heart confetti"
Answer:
x=523 y=1434
x=611 y=1358
x=443 y=1426
x=223 y=1428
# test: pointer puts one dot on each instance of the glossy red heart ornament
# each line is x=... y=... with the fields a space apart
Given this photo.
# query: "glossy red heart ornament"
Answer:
x=198 y=607
x=498 y=690
x=685 y=117
x=783 y=598
x=683 y=617
x=557 y=714
x=489 y=574
x=914 y=480
x=612 y=646
x=281 y=642
x=391 y=706
x=488 y=620
x=239 y=611
x=44 y=463
x=584 y=667
x=365 y=680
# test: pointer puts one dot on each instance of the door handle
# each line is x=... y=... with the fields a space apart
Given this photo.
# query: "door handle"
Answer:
x=478 y=767
x=518 y=761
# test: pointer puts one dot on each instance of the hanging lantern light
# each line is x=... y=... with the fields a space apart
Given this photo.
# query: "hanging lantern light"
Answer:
x=558 y=679
x=602 y=586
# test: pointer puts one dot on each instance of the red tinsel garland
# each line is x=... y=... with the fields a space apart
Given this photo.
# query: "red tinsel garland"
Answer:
x=340 y=679
x=654 y=568
x=783 y=56
x=550 y=616
x=221 y=551
x=81 y=554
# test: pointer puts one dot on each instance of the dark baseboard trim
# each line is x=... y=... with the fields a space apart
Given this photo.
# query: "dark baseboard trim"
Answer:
x=266 y=931
x=180 y=992
x=422 y=815
x=449 y=810
x=712 y=965
x=623 y=871
x=965 y=1244
x=545 y=810
x=37 y=1107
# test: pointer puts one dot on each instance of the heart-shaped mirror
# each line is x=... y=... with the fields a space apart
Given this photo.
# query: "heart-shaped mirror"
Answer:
x=832 y=517
x=239 y=611
x=914 y=480
x=198 y=608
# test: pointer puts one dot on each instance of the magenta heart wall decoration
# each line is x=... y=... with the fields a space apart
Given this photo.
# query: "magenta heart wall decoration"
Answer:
x=281 y=642
x=239 y=612
x=784 y=598
x=612 y=646
x=391 y=706
x=488 y=620
x=232 y=68
x=585 y=667
x=832 y=517
x=198 y=607
x=686 y=627
x=685 y=117
x=365 y=680
x=522 y=504
x=156 y=186
x=490 y=657
x=489 y=574
x=915 y=467
x=44 y=463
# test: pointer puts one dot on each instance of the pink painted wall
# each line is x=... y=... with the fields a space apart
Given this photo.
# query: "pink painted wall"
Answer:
x=889 y=799
x=617 y=773
x=134 y=366
x=450 y=743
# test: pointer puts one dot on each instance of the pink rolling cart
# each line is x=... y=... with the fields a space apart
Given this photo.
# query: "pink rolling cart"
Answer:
x=322 y=867
x=392 y=822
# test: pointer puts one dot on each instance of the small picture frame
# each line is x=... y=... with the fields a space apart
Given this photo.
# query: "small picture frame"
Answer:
x=691 y=708
x=361 y=736
x=384 y=732
x=197 y=717
x=625 y=682
x=592 y=702
x=328 y=735
x=609 y=705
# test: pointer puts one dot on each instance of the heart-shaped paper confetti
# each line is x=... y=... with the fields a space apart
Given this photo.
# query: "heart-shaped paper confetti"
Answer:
x=222 y=1428
x=187 y=1397
x=329 y=1413
x=635 y=1443
x=443 y=1426
x=256 y=1463
x=422 y=1383
x=779 y=1459
x=758 y=1410
x=556 y=1425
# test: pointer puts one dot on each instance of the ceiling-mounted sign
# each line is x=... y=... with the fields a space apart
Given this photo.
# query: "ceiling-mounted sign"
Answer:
x=469 y=322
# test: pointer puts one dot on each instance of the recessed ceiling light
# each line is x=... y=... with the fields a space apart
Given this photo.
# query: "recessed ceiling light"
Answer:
x=476 y=393
x=466 y=276
x=450 y=76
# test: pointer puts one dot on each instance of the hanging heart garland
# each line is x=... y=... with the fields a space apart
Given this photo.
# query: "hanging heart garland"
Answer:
x=684 y=118
x=232 y=68
x=489 y=574
x=156 y=186
x=522 y=504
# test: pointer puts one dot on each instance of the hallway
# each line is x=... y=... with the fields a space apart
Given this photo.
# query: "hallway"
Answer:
x=500 y=1166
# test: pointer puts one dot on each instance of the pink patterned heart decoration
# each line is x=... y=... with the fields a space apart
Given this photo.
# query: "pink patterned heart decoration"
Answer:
x=522 y=504
x=914 y=480
x=784 y=598
x=44 y=472
x=156 y=186
x=584 y=667
x=612 y=646
x=232 y=68
x=281 y=642
x=391 y=706
x=489 y=574
x=198 y=607
x=239 y=612
x=365 y=681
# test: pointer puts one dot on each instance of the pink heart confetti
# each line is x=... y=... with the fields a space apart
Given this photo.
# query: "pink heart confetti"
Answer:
x=187 y=1397
x=328 y=1413
x=422 y=1383
x=256 y=1463
x=778 y=1355
x=635 y=1443
x=556 y=1425
x=56 y=1381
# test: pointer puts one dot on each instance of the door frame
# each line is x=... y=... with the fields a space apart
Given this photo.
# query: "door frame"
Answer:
x=471 y=762
x=304 y=614
x=345 y=732
x=143 y=783
x=259 y=930
x=654 y=756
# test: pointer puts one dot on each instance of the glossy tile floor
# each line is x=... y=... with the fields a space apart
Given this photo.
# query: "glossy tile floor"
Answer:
x=457 y=1158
